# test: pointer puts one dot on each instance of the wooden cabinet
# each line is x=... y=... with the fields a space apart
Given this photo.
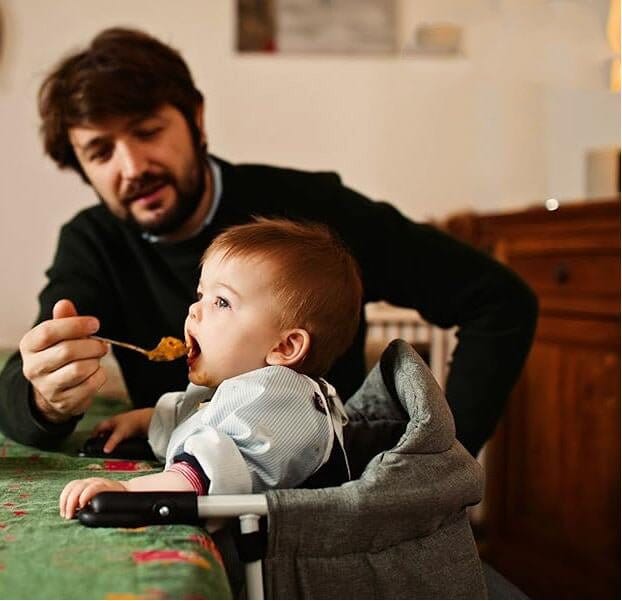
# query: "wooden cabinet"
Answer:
x=552 y=505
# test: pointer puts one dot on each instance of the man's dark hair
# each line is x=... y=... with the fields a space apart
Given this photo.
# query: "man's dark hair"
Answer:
x=123 y=72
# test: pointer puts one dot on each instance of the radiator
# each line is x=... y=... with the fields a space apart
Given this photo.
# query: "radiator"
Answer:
x=386 y=322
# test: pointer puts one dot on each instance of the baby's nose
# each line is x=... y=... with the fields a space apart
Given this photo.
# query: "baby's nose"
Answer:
x=193 y=311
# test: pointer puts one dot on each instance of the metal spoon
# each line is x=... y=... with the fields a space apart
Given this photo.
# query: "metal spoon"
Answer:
x=168 y=349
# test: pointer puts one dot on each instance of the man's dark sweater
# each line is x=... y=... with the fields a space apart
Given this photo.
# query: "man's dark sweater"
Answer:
x=140 y=291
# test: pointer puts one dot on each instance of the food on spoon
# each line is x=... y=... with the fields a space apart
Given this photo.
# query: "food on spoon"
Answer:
x=168 y=349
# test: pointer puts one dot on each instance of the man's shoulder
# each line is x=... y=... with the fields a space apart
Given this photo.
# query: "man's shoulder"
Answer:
x=95 y=215
x=253 y=173
x=282 y=191
x=94 y=221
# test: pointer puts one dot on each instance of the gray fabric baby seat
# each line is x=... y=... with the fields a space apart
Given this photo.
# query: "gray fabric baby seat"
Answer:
x=398 y=531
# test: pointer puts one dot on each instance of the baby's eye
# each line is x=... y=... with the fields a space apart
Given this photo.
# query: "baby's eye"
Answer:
x=222 y=303
x=199 y=295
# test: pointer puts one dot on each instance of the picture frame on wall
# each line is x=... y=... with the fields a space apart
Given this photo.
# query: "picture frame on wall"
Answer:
x=351 y=27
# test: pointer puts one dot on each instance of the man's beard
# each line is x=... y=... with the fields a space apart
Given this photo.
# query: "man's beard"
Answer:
x=189 y=192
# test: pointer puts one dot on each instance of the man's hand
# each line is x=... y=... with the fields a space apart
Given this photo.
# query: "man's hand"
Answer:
x=78 y=493
x=62 y=363
x=125 y=425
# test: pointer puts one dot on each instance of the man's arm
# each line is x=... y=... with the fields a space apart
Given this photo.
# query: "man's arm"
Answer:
x=450 y=284
x=59 y=370
x=34 y=380
x=19 y=418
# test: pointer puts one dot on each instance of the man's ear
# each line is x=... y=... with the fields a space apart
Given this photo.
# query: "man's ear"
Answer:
x=199 y=119
x=291 y=350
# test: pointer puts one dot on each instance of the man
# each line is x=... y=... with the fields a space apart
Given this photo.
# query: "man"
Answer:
x=125 y=115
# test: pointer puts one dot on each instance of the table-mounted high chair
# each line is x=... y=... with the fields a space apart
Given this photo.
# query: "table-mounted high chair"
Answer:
x=398 y=530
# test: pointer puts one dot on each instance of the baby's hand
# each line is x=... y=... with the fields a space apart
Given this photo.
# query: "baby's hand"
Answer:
x=78 y=493
x=125 y=425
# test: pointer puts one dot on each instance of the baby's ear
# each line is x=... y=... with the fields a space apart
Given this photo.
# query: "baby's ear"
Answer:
x=291 y=349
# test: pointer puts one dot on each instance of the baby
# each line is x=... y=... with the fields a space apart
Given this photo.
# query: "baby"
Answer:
x=277 y=303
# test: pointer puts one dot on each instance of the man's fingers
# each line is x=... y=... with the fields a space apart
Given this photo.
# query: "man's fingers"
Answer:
x=80 y=397
x=70 y=376
x=62 y=363
x=75 y=399
x=81 y=406
x=49 y=333
x=64 y=308
x=63 y=354
x=69 y=406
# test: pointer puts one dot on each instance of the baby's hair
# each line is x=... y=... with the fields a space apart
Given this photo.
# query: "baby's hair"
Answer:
x=317 y=285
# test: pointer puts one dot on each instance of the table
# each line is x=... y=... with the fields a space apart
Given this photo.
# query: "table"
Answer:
x=45 y=557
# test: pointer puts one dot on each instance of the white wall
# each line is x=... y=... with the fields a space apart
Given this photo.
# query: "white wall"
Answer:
x=504 y=126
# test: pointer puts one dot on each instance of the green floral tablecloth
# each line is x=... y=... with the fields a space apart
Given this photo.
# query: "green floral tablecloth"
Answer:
x=45 y=557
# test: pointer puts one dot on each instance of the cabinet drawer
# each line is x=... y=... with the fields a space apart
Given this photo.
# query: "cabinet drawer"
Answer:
x=569 y=274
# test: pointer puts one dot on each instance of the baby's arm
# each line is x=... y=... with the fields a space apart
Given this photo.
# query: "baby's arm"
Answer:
x=78 y=493
x=124 y=425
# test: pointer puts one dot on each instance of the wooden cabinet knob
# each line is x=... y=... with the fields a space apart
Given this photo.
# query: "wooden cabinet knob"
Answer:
x=562 y=273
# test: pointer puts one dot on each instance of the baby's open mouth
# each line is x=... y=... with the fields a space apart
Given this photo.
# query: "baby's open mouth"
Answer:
x=194 y=348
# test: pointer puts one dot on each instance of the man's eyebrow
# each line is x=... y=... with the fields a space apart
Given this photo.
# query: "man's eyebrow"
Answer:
x=138 y=119
x=101 y=139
